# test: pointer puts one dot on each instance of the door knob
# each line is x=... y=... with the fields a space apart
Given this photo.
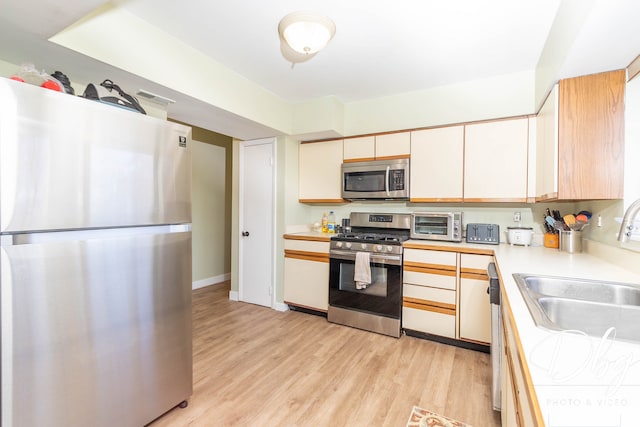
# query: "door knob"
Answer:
x=245 y=233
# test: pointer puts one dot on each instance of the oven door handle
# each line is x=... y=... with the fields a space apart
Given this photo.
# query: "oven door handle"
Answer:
x=380 y=259
x=386 y=181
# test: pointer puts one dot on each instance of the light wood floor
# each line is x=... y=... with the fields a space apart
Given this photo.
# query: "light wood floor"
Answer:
x=254 y=366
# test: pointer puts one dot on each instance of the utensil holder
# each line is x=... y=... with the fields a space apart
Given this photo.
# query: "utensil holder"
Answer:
x=571 y=241
x=551 y=240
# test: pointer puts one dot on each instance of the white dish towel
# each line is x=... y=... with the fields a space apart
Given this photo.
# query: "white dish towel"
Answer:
x=362 y=270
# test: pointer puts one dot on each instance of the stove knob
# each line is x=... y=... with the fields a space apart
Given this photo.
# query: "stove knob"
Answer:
x=338 y=244
x=348 y=245
x=389 y=248
x=379 y=248
x=363 y=245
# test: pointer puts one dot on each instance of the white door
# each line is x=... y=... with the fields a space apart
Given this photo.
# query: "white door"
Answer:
x=256 y=222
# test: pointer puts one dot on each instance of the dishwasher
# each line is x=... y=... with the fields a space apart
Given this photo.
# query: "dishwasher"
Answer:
x=496 y=335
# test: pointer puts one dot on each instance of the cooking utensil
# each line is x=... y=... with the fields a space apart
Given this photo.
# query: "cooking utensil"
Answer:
x=569 y=219
x=579 y=225
x=585 y=213
x=549 y=220
x=582 y=217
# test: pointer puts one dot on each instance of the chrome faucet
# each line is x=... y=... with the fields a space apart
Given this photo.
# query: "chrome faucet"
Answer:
x=626 y=228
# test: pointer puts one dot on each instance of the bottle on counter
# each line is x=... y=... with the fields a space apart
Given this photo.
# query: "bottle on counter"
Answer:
x=325 y=223
x=331 y=223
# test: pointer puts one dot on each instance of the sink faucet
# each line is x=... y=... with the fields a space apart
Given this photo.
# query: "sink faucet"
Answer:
x=627 y=222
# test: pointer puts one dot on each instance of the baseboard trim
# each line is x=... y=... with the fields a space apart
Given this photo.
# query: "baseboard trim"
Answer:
x=450 y=341
x=210 y=281
x=234 y=296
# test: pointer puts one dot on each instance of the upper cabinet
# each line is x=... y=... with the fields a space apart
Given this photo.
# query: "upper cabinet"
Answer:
x=437 y=164
x=386 y=146
x=591 y=136
x=362 y=148
x=495 y=161
x=580 y=153
x=547 y=148
x=319 y=172
x=393 y=145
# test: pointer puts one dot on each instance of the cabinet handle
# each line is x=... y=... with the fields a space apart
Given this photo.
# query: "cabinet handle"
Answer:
x=245 y=233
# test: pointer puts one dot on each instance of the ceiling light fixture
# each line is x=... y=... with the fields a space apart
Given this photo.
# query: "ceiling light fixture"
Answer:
x=303 y=34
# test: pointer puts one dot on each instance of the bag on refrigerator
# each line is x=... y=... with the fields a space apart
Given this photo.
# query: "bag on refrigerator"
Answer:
x=110 y=93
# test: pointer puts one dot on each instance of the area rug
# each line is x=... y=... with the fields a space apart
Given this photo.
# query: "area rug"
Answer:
x=423 y=418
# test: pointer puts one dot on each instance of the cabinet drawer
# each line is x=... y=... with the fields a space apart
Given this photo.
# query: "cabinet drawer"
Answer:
x=429 y=322
x=430 y=257
x=475 y=264
x=307 y=246
x=431 y=280
x=430 y=294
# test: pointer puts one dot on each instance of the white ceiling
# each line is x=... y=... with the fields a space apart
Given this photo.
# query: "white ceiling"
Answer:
x=380 y=48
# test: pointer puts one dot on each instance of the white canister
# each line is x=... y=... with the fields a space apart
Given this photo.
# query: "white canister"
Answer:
x=519 y=235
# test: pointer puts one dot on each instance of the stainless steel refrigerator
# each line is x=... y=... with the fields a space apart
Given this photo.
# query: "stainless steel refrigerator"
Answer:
x=95 y=233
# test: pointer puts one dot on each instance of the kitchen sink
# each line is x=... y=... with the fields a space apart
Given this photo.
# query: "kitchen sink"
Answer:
x=590 y=306
x=582 y=289
x=593 y=318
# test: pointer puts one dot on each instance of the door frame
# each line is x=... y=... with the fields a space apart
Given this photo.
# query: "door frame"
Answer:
x=241 y=190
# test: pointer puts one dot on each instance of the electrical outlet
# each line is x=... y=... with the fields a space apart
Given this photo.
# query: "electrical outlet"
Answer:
x=517 y=217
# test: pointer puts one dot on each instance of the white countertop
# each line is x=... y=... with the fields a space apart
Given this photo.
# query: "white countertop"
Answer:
x=579 y=380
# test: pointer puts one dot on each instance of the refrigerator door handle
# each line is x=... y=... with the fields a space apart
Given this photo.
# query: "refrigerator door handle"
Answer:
x=99 y=233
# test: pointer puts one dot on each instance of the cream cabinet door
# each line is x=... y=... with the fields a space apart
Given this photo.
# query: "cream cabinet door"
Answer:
x=306 y=274
x=306 y=283
x=474 y=309
x=547 y=148
x=495 y=161
x=437 y=164
x=360 y=149
x=319 y=172
x=393 y=145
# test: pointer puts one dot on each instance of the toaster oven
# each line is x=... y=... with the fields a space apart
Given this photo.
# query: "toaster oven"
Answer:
x=445 y=226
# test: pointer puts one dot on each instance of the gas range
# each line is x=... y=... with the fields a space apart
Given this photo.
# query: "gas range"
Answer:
x=371 y=232
x=365 y=272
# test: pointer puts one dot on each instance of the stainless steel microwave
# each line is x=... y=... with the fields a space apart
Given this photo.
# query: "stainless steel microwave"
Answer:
x=437 y=226
x=378 y=179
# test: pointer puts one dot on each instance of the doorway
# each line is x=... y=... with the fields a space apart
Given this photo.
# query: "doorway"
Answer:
x=256 y=247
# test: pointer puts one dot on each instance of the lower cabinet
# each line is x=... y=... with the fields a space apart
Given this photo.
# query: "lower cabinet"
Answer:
x=445 y=293
x=306 y=274
x=429 y=292
x=475 y=308
x=429 y=310
x=518 y=399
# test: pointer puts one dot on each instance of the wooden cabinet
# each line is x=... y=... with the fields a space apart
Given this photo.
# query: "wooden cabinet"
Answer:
x=319 y=173
x=495 y=161
x=437 y=165
x=429 y=298
x=580 y=152
x=474 y=307
x=591 y=136
x=387 y=146
x=306 y=273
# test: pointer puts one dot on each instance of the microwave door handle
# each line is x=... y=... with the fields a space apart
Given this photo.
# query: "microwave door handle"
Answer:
x=386 y=181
